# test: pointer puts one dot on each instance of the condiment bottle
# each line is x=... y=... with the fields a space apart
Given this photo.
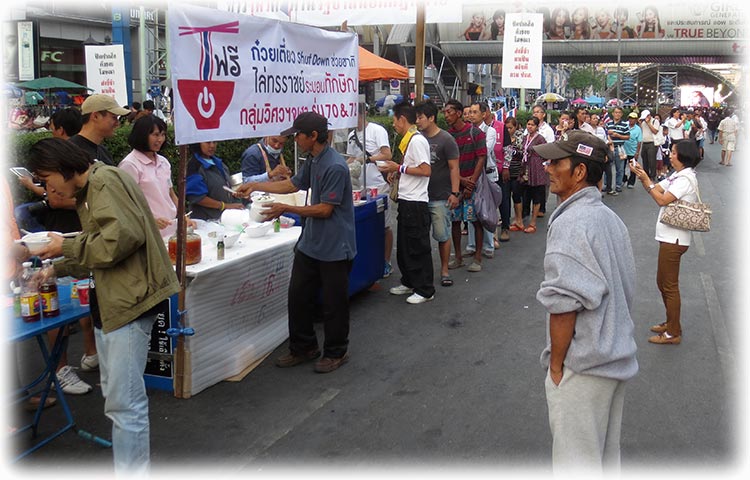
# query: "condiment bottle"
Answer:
x=220 y=249
x=48 y=290
x=29 y=295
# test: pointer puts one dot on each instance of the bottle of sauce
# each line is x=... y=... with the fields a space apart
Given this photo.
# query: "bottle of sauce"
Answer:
x=48 y=291
x=29 y=295
x=220 y=249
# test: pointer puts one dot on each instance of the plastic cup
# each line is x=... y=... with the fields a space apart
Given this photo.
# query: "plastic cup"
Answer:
x=357 y=196
x=64 y=289
x=374 y=192
x=83 y=293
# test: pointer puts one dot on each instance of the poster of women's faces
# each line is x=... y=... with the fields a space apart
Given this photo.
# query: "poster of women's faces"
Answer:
x=596 y=20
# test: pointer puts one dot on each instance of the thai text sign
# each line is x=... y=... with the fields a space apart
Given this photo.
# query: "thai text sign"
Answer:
x=105 y=71
x=242 y=76
x=522 y=50
x=354 y=12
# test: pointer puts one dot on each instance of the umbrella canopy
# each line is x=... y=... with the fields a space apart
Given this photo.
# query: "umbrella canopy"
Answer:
x=615 y=103
x=550 y=97
x=11 y=91
x=372 y=67
x=49 y=83
x=594 y=100
x=578 y=101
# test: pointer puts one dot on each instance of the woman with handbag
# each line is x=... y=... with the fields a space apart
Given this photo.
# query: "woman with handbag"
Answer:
x=673 y=242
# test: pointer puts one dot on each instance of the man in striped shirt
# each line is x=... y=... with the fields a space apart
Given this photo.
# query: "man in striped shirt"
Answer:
x=617 y=131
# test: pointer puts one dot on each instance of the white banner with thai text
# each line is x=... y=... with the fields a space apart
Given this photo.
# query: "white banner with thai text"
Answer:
x=242 y=76
x=354 y=12
x=522 y=50
x=105 y=71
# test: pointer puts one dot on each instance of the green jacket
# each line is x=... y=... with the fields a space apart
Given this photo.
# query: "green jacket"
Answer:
x=121 y=245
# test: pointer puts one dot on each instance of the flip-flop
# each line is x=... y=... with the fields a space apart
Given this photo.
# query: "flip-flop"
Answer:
x=516 y=228
x=453 y=264
x=530 y=229
x=446 y=281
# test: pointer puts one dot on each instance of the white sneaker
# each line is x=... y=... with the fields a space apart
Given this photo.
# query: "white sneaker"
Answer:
x=89 y=363
x=401 y=290
x=416 y=299
x=70 y=383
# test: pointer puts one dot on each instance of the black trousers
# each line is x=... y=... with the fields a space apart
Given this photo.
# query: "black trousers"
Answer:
x=413 y=249
x=314 y=280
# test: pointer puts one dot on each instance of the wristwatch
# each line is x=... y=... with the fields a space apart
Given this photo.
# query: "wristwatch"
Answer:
x=651 y=187
x=456 y=194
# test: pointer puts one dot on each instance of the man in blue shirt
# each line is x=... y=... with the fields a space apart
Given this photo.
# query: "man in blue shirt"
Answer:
x=633 y=144
x=324 y=254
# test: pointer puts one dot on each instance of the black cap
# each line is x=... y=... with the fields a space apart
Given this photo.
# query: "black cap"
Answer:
x=307 y=122
x=574 y=143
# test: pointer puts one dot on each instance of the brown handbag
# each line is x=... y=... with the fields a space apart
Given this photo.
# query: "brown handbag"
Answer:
x=693 y=216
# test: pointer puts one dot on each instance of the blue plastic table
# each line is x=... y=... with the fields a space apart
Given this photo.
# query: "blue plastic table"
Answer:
x=20 y=331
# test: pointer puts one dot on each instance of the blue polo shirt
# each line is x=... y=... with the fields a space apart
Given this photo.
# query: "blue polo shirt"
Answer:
x=328 y=239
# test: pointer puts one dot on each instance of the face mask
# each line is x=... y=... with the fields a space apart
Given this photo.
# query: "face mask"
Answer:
x=274 y=151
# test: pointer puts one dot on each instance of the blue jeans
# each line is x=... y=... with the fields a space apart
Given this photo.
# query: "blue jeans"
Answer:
x=619 y=168
x=122 y=360
x=488 y=241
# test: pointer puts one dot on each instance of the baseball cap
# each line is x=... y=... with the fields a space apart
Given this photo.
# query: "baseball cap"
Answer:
x=632 y=115
x=100 y=102
x=574 y=142
x=307 y=122
x=645 y=114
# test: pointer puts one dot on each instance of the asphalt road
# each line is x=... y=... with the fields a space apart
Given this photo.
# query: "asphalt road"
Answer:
x=456 y=383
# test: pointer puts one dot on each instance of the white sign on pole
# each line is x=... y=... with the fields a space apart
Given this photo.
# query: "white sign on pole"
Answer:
x=25 y=51
x=327 y=14
x=522 y=50
x=242 y=76
x=105 y=71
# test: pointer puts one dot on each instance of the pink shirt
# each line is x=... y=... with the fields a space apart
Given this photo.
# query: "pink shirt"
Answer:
x=155 y=179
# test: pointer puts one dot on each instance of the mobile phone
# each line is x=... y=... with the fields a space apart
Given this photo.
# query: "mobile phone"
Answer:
x=21 y=172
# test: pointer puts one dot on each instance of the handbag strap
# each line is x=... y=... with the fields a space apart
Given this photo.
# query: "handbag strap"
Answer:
x=695 y=186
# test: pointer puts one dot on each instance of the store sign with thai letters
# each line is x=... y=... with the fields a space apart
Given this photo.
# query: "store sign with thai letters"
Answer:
x=238 y=76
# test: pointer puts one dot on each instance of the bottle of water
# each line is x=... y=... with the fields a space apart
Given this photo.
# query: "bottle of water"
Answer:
x=30 y=311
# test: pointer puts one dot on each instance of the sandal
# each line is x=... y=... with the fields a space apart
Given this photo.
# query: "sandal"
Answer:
x=446 y=281
x=453 y=264
x=516 y=228
x=496 y=244
x=530 y=229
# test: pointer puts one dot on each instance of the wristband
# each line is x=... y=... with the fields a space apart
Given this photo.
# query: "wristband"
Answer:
x=222 y=206
x=402 y=169
x=650 y=187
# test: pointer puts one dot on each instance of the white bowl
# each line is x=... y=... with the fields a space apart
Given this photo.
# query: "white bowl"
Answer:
x=230 y=239
x=256 y=212
x=36 y=241
x=255 y=230
x=234 y=217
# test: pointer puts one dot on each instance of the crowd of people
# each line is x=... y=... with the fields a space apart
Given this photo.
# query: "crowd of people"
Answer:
x=123 y=211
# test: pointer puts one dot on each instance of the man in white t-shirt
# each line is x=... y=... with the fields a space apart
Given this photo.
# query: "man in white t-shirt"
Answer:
x=413 y=248
x=727 y=138
x=378 y=148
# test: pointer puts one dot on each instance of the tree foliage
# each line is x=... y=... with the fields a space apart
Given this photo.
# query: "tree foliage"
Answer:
x=584 y=77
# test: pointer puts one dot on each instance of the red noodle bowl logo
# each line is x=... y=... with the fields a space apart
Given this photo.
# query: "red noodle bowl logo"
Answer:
x=206 y=99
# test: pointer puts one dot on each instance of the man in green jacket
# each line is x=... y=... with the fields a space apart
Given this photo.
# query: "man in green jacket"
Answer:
x=123 y=254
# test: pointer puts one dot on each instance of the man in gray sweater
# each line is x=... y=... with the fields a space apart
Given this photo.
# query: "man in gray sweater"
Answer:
x=588 y=288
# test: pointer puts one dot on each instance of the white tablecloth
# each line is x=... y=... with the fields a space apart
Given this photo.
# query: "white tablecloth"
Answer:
x=237 y=306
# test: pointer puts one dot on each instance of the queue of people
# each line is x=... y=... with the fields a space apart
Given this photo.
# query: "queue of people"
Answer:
x=437 y=182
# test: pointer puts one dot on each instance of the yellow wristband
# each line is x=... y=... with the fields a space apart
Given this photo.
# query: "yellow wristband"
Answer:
x=222 y=206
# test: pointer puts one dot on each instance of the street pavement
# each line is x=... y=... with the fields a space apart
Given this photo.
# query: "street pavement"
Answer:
x=457 y=384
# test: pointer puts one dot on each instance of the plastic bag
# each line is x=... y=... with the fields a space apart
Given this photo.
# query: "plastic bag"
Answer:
x=486 y=201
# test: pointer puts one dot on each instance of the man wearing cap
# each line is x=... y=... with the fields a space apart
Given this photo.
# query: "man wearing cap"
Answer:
x=326 y=249
x=588 y=289
x=632 y=145
x=649 y=127
x=100 y=117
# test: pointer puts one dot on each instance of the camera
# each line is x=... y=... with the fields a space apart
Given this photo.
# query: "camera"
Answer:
x=38 y=208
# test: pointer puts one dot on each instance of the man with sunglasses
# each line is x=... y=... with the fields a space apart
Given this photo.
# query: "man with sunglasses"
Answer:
x=101 y=117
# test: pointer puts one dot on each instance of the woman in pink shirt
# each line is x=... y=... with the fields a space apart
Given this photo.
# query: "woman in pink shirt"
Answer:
x=150 y=170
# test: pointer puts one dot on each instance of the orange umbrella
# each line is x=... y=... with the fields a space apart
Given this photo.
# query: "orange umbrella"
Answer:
x=372 y=67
